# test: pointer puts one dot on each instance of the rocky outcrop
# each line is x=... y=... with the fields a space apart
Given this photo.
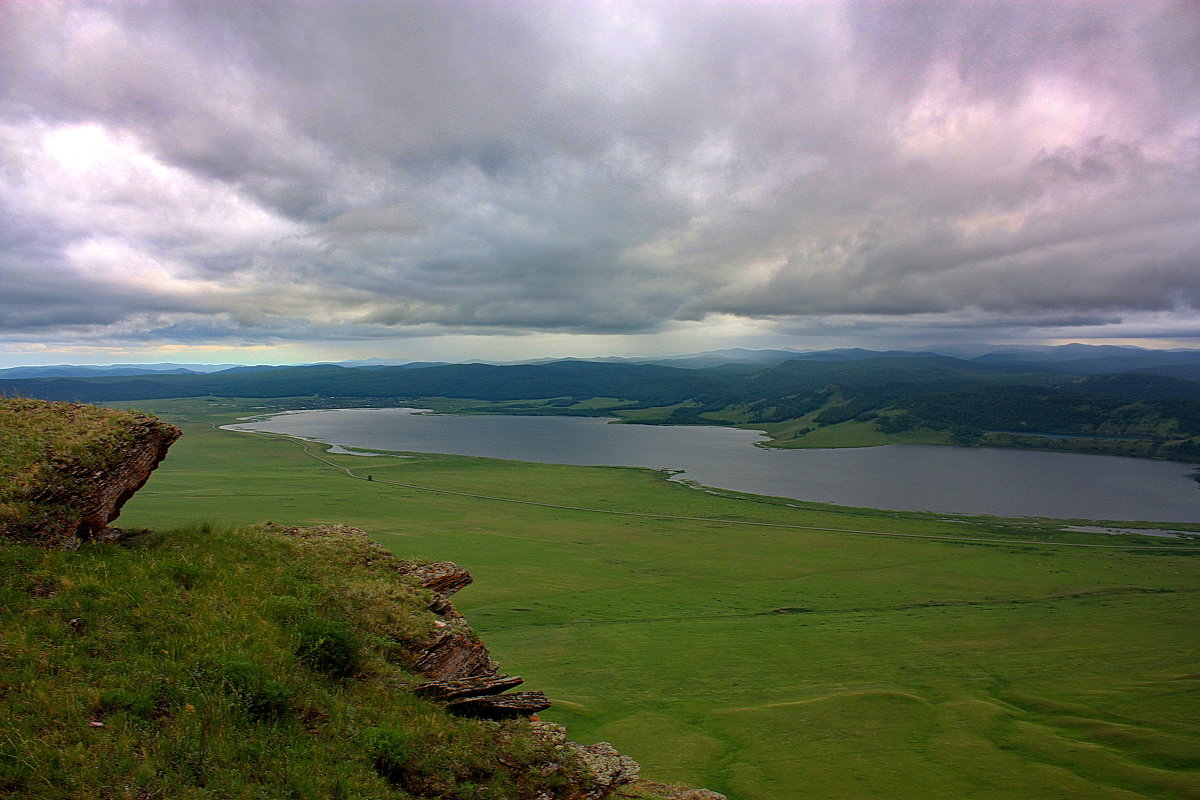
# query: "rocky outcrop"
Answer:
x=70 y=467
x=663 y=791
x=97 y=495
x=461 y=670
x=455 y=653
x=500 y=706
x=468 y=687
x=461 y=673
x=443 y=578
x=609 y=770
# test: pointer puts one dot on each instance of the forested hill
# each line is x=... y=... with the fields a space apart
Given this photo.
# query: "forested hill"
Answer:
x=864 y=399
x=580 y=379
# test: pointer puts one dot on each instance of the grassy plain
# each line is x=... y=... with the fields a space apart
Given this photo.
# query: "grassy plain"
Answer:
x=768 y=663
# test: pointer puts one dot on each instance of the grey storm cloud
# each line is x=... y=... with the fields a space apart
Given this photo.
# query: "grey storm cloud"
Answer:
x=178 y=171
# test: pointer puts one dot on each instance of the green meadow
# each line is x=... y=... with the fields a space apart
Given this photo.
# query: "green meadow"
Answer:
x=764 y=661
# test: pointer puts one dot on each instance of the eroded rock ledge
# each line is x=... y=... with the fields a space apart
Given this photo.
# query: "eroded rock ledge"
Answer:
x=67 y=487
x=464 y=675
x=460 y=668
x=461 y=673
x=98 y=494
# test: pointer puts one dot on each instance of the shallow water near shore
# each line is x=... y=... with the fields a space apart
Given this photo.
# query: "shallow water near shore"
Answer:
x=960 y=480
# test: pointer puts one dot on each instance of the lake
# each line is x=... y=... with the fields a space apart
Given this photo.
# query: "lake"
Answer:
x=901 y=477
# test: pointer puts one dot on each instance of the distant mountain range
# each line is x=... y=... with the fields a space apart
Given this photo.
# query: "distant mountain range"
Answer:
x=74 y=371
x=1078 y=359
x=111 y=370
x=1099 y=399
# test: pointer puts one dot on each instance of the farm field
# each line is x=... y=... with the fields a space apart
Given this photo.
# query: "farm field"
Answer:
x=767 y=662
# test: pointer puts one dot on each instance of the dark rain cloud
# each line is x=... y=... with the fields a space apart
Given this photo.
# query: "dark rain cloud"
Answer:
x=207 y=171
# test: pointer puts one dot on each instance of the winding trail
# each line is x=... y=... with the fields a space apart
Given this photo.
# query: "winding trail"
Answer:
x=711 y=520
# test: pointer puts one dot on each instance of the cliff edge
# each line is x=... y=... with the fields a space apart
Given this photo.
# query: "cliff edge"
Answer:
x=461 y=676
x=67 y=468
x=263 y=661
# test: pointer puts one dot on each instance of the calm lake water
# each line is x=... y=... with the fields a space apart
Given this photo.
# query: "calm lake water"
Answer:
x=903 y=477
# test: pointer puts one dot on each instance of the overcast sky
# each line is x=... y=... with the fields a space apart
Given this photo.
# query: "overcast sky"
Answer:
x=291 y=181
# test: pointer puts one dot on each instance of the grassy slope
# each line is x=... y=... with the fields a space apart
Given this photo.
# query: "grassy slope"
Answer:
x=214 y=663
x=898 y=668
x=843 y=434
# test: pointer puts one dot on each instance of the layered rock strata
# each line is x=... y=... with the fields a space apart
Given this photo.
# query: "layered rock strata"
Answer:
x=460 y=668
x=98 y=494
x=463 y=674
x=75 y=489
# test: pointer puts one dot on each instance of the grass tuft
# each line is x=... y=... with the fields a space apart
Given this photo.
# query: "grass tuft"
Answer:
x=328 y=646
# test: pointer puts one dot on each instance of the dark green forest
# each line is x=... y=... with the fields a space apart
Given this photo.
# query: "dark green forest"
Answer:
x=1010 y=403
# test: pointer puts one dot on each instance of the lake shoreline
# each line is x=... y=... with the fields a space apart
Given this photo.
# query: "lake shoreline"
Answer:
x=986 y=481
